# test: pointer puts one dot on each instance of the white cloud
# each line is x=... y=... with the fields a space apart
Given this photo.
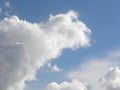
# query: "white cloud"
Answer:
x=56 y=69
x=25 y=46
x=111 y=80
x=53 y=68
x=74 y=85
x=92 y=71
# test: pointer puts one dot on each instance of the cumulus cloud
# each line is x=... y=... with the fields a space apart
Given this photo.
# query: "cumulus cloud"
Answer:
x=74 y=85
x=25 y=46
x=111 y=80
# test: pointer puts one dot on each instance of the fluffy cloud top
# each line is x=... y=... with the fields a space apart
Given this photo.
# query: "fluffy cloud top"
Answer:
x=111 y=81
x=74 y=85
x=25 y=46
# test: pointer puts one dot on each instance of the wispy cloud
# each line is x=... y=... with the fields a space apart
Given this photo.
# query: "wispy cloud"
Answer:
x=0 y=10
x=7 y=4
x=95 y=69
x=98 y=73
x=6 y=9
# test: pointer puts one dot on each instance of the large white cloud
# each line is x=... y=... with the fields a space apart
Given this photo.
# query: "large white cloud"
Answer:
x=25 y=46
x=74 y=85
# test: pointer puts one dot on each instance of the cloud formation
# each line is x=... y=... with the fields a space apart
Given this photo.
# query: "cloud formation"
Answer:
x=7 y=4
x=74 y=85
x=95 y=73
x=25 y=46
x=5 y=9
x=0 y=10
x=53 y=68
x=111 y=80
x=91 y=72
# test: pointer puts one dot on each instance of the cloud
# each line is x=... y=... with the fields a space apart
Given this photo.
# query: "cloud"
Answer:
x=53 y=68
x=6 y=9
x=0 y=10
x=111 y=80
x=25 y=47
x=56 y=69
x=92 y=71
x=7 y=4
x=73 y=85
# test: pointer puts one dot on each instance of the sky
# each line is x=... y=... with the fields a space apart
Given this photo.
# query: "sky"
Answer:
x=59 y=45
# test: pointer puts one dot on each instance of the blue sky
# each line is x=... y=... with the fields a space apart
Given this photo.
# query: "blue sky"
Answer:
x=102 y=17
